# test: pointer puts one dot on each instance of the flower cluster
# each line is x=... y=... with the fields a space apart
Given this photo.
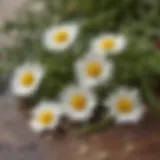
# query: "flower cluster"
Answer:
x=78 y=101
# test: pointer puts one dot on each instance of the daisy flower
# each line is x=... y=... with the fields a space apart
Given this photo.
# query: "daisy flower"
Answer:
x=125 y=105
x=26 y=79
x=60 y=37
x=93 y=70
x=78 y=103
x=108 y=44
x=45 y=116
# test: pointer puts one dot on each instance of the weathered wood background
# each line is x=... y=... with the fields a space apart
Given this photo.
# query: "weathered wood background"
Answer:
x=17 y=142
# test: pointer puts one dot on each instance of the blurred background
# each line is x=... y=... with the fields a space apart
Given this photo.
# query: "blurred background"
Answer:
x=17 y=142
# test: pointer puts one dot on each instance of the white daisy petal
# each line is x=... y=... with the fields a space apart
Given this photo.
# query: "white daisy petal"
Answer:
x=36 y=127
x=60 y=37
x=45 y=116
x=121 y=44
x=125 y=106
x=93 y=70
x=78 y=103
x=108 y=44
x=26 y=79
x=133 y=117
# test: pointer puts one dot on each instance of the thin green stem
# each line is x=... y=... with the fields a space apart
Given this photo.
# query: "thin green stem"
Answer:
x=149 y=95
x=96 y=127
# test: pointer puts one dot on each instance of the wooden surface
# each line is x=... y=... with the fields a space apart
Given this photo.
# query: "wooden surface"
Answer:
x=17 y=142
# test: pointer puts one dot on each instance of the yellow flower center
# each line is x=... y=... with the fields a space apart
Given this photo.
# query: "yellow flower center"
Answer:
x=78 y=102
x=124 y=105
x=93 y=69
x=46 y=117
x=61 y=36
x=107 y=44
x=27 y=78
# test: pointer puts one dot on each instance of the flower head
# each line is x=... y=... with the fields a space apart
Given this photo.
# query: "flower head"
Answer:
x=108 y=44
x=60 y=37
x=78 y=103
x=125 y=106
x=93 y=70
x=26 y=79
x=45 y=116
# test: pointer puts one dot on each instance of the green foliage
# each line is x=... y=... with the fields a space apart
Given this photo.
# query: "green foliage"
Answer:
x=137 y=19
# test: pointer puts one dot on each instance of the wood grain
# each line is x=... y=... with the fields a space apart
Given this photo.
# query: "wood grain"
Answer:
x=17 y=142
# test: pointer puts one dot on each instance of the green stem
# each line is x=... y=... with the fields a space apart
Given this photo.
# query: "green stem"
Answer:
x=96 y=127
x=149 y=95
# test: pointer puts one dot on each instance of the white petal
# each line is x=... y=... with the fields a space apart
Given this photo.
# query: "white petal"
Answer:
x=47 y=105
x=72 y=113
x=87 y=81
x=18 y=89
x=54 y=124
x=40 y=108
x=138 y=108
x=80 y=116
x=120 y=44
x=72 y=29
x=36 y=127
x=133 y=117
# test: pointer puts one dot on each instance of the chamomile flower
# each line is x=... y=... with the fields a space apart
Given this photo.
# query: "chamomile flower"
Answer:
x=26 y=79
x=45 y=116
x=125 y=106
x=108 y=44
x=59 y=38
x=93 y=70
x=78 y=103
